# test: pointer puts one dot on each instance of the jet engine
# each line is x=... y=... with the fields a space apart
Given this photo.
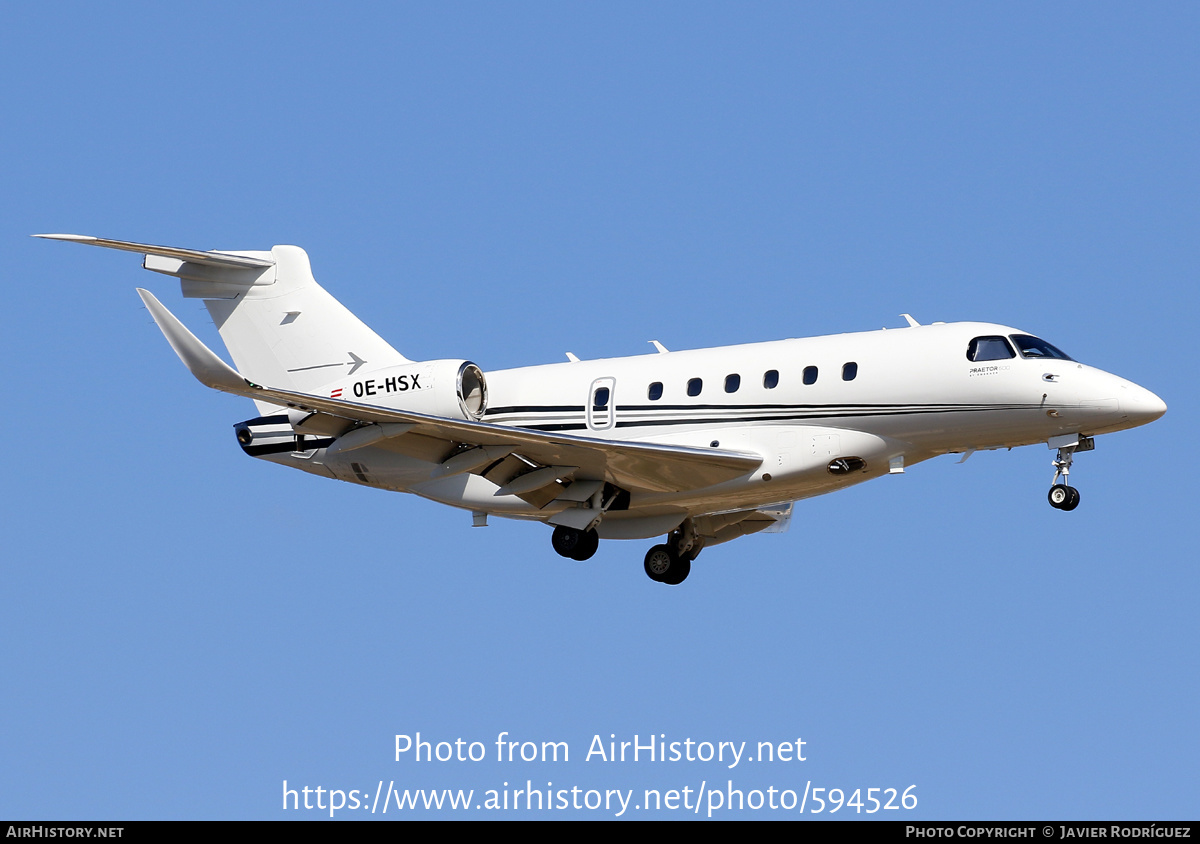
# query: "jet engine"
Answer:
x=455 y=389
x=449 y=388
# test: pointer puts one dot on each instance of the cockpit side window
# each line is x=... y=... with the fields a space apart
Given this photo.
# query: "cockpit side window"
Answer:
x=1035 y=347
x=989 y=348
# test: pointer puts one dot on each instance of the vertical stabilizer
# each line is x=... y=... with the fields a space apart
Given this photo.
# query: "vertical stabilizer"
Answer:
x=292 y=333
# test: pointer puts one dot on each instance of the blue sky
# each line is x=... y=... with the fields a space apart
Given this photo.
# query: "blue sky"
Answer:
x=185 y=628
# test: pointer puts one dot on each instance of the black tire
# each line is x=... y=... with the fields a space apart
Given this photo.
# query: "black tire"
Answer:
x=589 y=541
x=566 y=541
x=679 y=572
x=660 y=560
x=1072 y=500
x=1060 y=496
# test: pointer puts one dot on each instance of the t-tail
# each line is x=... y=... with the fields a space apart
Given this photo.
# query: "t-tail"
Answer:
x=280 y=326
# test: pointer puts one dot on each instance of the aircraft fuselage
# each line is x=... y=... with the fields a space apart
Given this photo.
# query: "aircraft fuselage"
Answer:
x=883 y=400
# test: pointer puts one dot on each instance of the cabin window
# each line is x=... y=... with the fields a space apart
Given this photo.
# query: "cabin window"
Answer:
x=655 y=391
x=601 y=400
x=849 y=371
x=989 y=348
x=771 y=379
x=1035 y=347
x=810 y=375
x=732 y=382
x=695 y=386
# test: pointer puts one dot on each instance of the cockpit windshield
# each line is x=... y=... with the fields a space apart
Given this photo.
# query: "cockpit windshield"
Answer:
x=989 y=348
x=1035 y=347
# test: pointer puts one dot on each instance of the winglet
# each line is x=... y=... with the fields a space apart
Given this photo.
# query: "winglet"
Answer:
x=209 y=369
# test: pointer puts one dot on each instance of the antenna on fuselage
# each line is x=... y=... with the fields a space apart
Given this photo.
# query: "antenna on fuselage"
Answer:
x=912 y=323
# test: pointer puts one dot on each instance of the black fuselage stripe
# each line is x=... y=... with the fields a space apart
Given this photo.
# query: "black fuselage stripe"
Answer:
x=840 y=409
x=709 y=420
x=538 y=408
x=633 y=408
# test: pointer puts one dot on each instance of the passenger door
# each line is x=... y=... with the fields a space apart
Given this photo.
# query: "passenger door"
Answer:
x=601 y=404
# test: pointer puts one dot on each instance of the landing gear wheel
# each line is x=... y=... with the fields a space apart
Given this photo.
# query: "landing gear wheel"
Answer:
x=663 y=566
x=1073 y=501
x=575 y=544
x=1058 y=496
x=588 y=543
x=1063 y=497
x=566 y=540
x=659 y=561
x=679 y=572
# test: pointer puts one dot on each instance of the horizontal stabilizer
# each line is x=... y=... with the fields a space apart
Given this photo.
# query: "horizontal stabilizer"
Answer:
x=195 y=256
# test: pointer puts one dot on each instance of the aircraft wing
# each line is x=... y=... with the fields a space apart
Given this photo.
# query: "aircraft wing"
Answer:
x=629 y=465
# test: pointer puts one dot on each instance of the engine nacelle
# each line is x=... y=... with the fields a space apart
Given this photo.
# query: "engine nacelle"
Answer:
x=449 y=388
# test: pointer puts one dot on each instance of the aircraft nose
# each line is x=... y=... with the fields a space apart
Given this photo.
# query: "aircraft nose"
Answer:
x=1140 y=405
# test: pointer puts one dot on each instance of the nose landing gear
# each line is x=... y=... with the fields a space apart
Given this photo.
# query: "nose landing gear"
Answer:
x=1062 y=496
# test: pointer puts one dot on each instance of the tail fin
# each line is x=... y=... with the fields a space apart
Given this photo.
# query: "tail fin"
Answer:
x=291 y=332
x=280 y=326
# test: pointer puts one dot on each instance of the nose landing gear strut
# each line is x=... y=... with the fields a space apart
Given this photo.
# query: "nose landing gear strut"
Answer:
x=1062 y=496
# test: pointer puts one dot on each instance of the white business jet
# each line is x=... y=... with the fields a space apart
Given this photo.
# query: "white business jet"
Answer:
x=701 y=446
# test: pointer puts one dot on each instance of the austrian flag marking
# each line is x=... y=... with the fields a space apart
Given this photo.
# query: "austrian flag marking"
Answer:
x=336 y=394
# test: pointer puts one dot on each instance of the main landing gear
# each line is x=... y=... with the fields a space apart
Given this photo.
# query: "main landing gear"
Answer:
x=665 y=566
x=668 y=563
x=672 y=563
x=1062 y=496
x=575 y=544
